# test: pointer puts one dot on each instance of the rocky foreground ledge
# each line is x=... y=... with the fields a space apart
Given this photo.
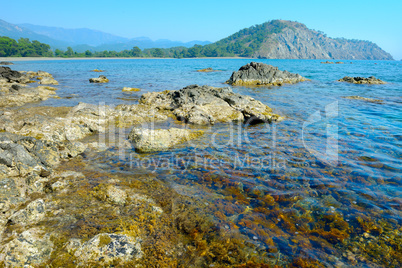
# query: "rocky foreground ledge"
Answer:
x=258 y=74
x=47 y=213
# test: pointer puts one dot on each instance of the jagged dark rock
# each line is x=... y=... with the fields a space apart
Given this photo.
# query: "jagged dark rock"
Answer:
x=362 y=80
x=11 y=76
x=256 y=73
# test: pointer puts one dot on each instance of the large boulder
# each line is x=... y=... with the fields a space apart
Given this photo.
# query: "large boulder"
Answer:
x=12 y=76
x=151 y=140
x=362 y=80
x=256 y=73
x=207 y=105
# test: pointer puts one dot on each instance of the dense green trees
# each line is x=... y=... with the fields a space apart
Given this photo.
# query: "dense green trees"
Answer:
x=23 y=48
x=244 y=43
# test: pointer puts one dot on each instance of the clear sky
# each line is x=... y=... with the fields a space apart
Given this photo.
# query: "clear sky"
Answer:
x=376 y=21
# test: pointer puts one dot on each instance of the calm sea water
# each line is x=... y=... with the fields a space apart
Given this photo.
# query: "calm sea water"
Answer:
x=325 y=183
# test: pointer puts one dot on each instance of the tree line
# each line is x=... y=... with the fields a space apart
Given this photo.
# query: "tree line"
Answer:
x=244 y=43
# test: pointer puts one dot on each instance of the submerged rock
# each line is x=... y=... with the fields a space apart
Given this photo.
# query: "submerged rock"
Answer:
x=327 y=62
x=207 y=70
x=100 y=79
x=151 y=140
x=130 y=89
x=30 y=248
x=362 y=80
x=207 y=105
x=48 y=81
x=106 y=248
x=363 y=98
x=256 y=73
x=6 y=63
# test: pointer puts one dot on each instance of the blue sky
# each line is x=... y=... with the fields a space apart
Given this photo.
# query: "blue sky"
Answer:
x=376 y=21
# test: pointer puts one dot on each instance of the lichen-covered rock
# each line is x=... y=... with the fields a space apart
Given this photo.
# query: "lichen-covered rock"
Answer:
x=100 y=79
x=362 y=80
x=106 y=248
x=151 y=140
x=207 y=105
x=31 y=247
x=256 y=73
x=33 y=213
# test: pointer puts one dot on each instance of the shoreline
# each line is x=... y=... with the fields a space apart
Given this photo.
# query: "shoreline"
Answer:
x=19 y=59
x=101 y=58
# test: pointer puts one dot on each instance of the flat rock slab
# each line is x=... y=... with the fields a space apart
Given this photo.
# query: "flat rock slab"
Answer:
x=152 y=140
x=256 y=74
x=362 y=80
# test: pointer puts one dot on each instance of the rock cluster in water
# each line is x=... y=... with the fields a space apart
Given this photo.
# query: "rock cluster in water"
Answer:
x=362 y=80
x=14 y=89
x=256 y=73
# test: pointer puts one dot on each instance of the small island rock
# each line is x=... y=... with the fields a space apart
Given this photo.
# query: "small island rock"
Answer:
x=256 y=73
x=100 y=79
x=362 y=80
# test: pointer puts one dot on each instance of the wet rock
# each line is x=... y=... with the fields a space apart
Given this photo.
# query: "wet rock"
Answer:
x=327 y=62
x=11 y=76
x=362 y=80
x=31 y=247
x=100 y=79
x=339 y=62
x=23 y=155
x=207 y=105
x=6 y=63
x=116 y=195
x=207 y=70
x=33 y=213
x=256 y=73
x=363 y=99
x=14 y=92
x=151 y=140
x=48 y=81
x=106 y=248
x=130 y=89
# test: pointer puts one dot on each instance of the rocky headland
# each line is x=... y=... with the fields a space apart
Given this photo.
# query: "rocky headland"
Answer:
x=256 y=74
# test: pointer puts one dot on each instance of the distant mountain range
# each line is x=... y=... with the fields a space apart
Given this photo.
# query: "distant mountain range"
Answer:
x=276 y=39
x=85 y=39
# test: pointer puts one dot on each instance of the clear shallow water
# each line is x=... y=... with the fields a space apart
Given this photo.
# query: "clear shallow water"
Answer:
x=312 y=186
